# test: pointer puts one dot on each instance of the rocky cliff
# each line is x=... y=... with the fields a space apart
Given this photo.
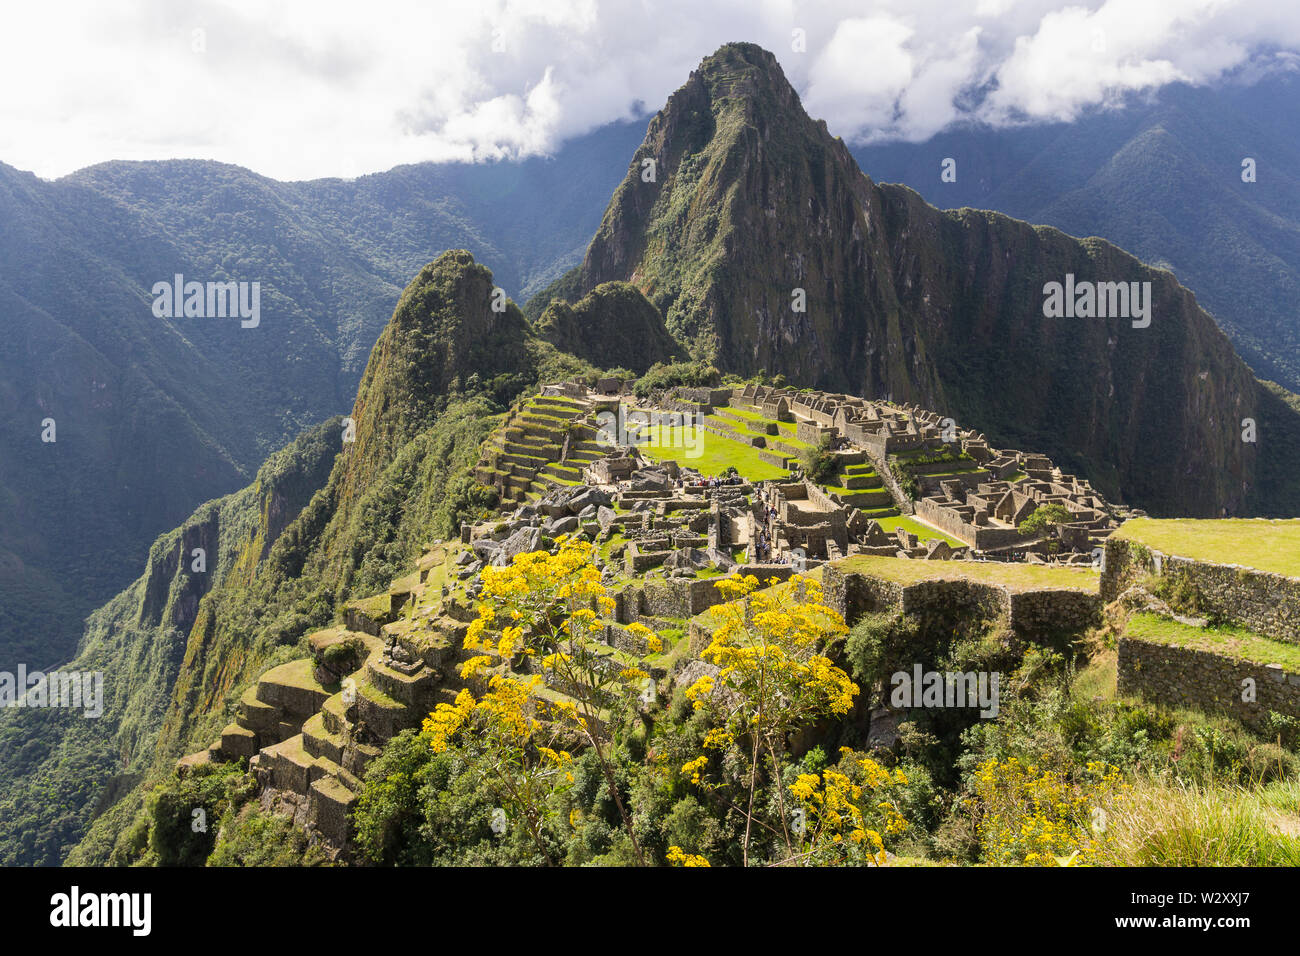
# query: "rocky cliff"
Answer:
x=181 y=653
x=59 y=769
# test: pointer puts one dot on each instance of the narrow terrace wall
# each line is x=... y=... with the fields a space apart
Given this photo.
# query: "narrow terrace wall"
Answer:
x=1040 y=615
x=1260 y=601
x=1188 y=677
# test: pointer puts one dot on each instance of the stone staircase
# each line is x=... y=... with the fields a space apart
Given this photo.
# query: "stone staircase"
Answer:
x=545 y=442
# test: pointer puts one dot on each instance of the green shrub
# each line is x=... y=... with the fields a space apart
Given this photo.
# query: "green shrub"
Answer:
x=820 y=463
x=1044 y=518
x=906 y=481
x=178 y=823
x=345 y=656
x=252 y=837
x=680 y=374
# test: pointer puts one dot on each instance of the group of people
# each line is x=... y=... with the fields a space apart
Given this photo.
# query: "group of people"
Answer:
x=709 y=483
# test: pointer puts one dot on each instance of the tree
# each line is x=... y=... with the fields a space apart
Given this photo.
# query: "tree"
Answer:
x=547 y=608
x=773 y=677
x=1045 y=518
x=820 y=463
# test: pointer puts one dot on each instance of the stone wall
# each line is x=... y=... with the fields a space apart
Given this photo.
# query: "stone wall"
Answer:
x=946 y=520
x=811 y=432
x=1054 y=612
x=1039 y=615
x=980 y=538
x=1187 y=677
x=880 y=462
x=686 y=597
x=1260 y=601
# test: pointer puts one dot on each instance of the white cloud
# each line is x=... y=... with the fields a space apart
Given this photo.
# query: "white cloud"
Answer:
x=860 y=74
x=299 y=89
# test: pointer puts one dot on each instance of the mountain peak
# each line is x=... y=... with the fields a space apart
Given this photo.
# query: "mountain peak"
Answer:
x=767 y=250
x=745 y=79
x=452 y=331
x=737 y=68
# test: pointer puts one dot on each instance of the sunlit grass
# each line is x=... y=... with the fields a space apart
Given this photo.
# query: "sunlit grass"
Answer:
x=1269 y=544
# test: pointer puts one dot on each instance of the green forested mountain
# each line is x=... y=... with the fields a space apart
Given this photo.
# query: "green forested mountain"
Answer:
x=324 y=521
x=613 y=325
x=767 y=249
x=155 y=415
x=1162 y=179
x=55 y=764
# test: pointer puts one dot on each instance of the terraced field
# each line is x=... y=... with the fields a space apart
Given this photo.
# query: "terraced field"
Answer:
x=1010 y=575
x=760 y=449
x=1234 y=642
x=527 y=454
x=1268 y=544
x=708 y=453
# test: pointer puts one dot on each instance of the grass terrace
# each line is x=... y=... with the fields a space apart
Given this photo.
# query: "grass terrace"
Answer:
x=922 y=531
x=785 y=430
x=1267 y=544
x=1017 y=577
x=715 y=453
x=1232 y=642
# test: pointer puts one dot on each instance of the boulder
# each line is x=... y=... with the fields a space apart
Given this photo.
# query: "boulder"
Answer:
x=485 y=548
x=565 y=525
x=588 y=497
x=522 y=541
x=723 y=561
x=688 y=559
x=938 y=550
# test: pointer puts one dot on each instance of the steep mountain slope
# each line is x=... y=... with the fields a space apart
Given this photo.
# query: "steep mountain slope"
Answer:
x=57 y=766
x=156 y=415
x=611 y=325
x=754 y=210
x=1163 y=179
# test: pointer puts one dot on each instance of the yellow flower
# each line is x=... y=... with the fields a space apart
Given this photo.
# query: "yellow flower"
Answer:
x=693 y=767
x=677 y=857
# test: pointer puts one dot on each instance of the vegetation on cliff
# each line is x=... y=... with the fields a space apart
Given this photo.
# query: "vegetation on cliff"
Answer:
x=436 y=384
x=612 y=325
x=58 y=770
